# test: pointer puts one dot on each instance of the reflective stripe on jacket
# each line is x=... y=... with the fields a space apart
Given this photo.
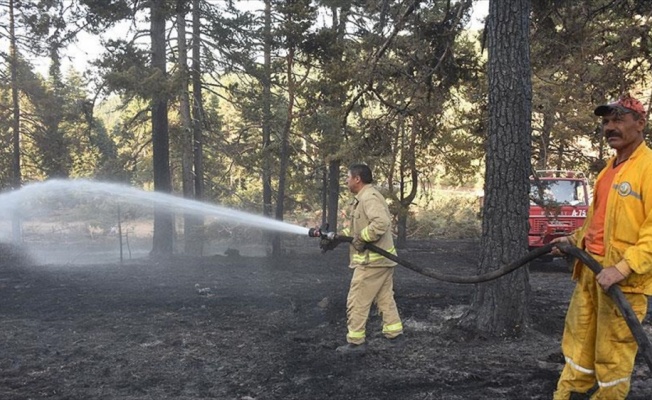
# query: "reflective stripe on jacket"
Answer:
x=628 y=221
x=371 y=220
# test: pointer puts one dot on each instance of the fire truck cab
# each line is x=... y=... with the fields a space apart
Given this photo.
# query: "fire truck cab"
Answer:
x=559 y=201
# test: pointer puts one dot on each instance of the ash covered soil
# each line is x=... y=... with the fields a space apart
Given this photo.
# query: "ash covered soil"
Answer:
x=259 y=328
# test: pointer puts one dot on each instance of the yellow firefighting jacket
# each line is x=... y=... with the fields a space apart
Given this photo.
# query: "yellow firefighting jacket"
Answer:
x=371 y=220
x=628 y=223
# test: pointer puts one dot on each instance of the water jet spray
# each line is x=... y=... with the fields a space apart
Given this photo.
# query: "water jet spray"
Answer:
x=77 y=212
x=16 y=202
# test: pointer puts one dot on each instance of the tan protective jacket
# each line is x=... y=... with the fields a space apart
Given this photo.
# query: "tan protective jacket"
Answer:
x=628 y=223
x=371 y=220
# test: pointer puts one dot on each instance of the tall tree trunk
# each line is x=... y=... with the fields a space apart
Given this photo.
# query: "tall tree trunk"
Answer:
x=546 y=132
x=192 y=244
x=501 y=307
x=163 y=221
x=197 y=103
x=53 y=146
x=267 y=110
x=324 y=195
x=15 y=123
x=335 y=99
x=285 y=148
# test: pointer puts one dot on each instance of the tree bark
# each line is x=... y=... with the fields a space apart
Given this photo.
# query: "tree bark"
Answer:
x=15 y=123
x=285 y=148
x=501 y=307
x=335 y=98
x=163 y=221
x=267 y=110
x=191 y=225
x=408 y=165
x=197 y=236
x=197 y=103
x=324 y=196
x=546 y=133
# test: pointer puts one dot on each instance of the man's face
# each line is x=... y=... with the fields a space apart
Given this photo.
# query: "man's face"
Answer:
x=353 y=183
x=622 y=130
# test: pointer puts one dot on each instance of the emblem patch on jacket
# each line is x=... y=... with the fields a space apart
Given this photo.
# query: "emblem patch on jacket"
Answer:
x=624 y=189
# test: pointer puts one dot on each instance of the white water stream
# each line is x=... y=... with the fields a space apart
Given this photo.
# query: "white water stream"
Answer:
x=12 y=202
x=45 y=199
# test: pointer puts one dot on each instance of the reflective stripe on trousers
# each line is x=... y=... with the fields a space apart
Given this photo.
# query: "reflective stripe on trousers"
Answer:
x=597 y=343
x=393 y=328
x=371 y=285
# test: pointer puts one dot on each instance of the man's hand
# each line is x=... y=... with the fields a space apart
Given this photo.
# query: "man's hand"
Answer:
x=358 y=244
x=562 y=239
x=608 y=277
x=328 y=244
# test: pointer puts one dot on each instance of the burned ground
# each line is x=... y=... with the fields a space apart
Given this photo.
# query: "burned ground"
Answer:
x=259 y=328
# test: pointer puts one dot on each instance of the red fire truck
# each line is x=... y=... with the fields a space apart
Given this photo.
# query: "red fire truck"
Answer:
x=559 y=201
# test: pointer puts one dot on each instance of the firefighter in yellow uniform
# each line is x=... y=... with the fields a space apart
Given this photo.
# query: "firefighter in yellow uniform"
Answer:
x=373 y=274
x=597 y=344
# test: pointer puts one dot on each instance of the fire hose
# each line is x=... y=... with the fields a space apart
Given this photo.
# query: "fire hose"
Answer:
x=616 y=294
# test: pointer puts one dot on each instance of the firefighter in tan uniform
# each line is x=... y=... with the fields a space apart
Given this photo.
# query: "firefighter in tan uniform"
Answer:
x=373 y=274
x=597 y=344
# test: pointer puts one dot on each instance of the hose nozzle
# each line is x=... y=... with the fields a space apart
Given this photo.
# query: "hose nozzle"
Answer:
x=321 y=233
x=314 y=232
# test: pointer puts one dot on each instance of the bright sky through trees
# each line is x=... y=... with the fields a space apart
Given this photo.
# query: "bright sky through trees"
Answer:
x=88 y=47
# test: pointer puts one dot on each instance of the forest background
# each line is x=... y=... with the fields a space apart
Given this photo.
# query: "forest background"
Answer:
x=260 y=106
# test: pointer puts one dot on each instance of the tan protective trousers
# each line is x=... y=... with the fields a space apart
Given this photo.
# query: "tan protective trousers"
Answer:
x=597 y=344
x=371 y=285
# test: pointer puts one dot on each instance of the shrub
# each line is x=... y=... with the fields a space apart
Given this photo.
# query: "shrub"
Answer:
x=447 y=217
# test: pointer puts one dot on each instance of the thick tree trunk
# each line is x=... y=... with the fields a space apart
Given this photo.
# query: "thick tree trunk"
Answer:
x=501 y=307
x=15 y=122
x=163 y=221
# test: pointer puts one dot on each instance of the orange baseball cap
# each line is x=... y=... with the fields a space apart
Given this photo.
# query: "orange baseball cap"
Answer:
x=625 y=104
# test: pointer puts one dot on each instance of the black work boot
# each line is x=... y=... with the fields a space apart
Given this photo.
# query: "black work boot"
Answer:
x=351 y=348
x=398 y=341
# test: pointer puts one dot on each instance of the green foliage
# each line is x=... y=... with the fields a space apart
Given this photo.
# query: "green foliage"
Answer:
x=584 y=53
x=410 y=104
x=102 y=14
x=126 y=70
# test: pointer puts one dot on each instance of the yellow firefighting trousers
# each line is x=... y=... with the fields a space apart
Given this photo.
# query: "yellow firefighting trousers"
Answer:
x=597 y=344
x=371 y=285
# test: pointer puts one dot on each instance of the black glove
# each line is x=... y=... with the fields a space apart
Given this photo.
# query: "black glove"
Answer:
x=358 y=244
x=328 y=244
